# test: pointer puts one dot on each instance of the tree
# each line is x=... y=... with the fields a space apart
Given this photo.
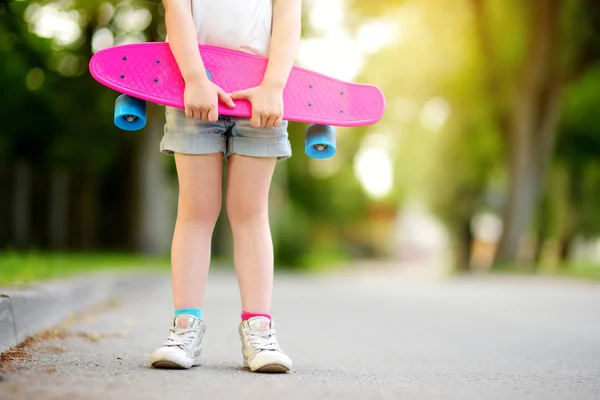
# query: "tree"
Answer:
x=529 y=107
x=526 y=55
x=62 y=159
x=576 y=165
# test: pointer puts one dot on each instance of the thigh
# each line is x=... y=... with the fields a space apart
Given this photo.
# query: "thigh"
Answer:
x=200 y=178
x=248 y=183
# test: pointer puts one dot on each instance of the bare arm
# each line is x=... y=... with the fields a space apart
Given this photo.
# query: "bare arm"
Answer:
x=267 y=99
x=182 y=40
x=285 y=39
x=200 y=96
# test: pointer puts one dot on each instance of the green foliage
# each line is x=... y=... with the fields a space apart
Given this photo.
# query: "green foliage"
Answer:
x=579 y=140
x=359 y=10
x=580 y=23
x=577 y=150
x=441 y=52
x=56 y=109
x=314 y=202
x=459 y=191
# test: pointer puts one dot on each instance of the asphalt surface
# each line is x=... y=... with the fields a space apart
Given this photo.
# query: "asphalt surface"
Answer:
x=352 y=337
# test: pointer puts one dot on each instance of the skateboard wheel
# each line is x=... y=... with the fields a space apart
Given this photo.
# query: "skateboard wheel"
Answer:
x=320 y=141
x=130 y=113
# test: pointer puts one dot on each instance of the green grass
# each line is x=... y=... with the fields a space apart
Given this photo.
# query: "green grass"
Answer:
x=578 y=270
x=21 y=268
x=17 y=268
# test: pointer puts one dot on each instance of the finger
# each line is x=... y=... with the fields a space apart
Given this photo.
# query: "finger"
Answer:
x=225 y=98
x=204 y=116
x=189 y=112
x=278 y=121
x=197 y=113
x=213 y=114
x=255 y=120
x=263 y=120
x=241 y=94
x=270 y=121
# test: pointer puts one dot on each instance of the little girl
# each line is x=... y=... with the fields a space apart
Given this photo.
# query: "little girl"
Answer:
x=199 y=139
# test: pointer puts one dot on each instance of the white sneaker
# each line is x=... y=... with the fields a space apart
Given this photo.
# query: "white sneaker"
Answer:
x=260 y=348
x=183 y=347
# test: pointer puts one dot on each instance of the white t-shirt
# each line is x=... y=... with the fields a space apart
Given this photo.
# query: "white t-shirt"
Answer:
x=243 y=25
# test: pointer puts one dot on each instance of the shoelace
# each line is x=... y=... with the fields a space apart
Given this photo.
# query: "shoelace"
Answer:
x=263 y=340
x=180 y=337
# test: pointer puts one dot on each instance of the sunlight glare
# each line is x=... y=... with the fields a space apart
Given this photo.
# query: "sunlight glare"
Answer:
x=103 y=38
x=335 y=56
x=50 y=21
x=373 y=168
x=136 y=20
x=327 y=15
x=334 y=51
x=373 y=35
x=130 y=38
x=435 y=113
x=105 y=13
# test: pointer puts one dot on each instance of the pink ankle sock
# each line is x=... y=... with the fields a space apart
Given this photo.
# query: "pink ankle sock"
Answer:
x=247 y=315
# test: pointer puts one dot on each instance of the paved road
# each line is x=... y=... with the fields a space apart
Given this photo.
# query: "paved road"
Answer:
x=352 y=337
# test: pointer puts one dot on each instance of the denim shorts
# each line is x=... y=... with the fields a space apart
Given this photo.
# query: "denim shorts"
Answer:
x=228 y=135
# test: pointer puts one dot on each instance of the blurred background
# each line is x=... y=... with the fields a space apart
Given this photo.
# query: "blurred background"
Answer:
x=486 y=158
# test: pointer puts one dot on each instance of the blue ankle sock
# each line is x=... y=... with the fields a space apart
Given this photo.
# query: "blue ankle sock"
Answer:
x=196 y=312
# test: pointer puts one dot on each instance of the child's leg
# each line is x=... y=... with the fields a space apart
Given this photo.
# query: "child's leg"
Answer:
x=253 y=154
x=198 y=149
x=198 y=209
x=249 y=180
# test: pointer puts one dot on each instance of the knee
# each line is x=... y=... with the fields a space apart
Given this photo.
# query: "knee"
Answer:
x=245 y=210
x=201 y=210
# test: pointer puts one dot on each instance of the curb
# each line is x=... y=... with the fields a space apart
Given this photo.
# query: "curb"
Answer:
x=27 y=311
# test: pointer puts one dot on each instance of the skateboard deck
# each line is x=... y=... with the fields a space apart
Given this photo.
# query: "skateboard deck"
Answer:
x=148 y=71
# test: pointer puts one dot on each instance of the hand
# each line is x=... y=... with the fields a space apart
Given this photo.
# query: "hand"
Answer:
x=267 y=105
x=201 y=100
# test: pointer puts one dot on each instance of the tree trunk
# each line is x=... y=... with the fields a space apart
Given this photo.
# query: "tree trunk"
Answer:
x=5 y=204
x=87 y=212
x=463 y=253
x=58 y=210
x=542 y=231
x=575 y=192
x=533 y=128
x=155 y=198
x=564 y=249
x=21 y=204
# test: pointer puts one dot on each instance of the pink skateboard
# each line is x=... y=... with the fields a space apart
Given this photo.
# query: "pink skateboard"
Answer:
x=149 y=72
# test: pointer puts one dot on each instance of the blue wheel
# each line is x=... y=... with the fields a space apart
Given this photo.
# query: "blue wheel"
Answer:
x=320 y=141
x=130 y=113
